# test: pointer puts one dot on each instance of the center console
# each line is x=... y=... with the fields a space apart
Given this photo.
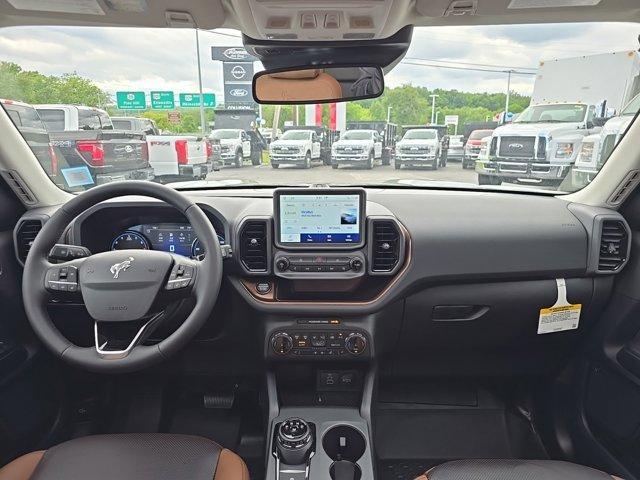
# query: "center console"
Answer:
x=329 y=443
x=320 y=248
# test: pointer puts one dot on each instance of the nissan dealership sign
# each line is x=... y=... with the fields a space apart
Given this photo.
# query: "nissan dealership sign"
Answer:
x=237 y=70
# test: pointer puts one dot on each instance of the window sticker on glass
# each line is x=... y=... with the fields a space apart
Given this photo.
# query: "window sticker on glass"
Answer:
x=77 y=176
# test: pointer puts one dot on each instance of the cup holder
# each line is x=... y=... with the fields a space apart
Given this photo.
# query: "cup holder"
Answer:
x=337 y=469
x=344 y=442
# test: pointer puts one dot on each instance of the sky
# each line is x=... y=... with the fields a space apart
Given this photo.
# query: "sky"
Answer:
x=165 y=59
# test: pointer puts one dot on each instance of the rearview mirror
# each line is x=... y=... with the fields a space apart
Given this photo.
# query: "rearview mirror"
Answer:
x=318 y=85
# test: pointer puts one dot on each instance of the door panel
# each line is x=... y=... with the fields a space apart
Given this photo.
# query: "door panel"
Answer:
x=604 y=424
x=29 y=400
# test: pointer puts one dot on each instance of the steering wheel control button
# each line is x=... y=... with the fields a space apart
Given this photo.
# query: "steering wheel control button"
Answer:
x=62 y=279
x=281 y=343
x=180 y=277
x=68 y=252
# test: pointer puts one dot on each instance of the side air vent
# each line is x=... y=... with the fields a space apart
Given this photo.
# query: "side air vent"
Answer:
x=385 y=245
x=25 y=235
x=614 y=242
x=627 y=186
x=254 y=245
x=20 y=188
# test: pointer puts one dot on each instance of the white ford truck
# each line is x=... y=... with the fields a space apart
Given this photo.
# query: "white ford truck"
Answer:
x=183 y=156
x=357 y=148
x=539 y=147
x=418 y=148
x=188 y=157
x=235 y=145
x=295 y=147
x=596 y=149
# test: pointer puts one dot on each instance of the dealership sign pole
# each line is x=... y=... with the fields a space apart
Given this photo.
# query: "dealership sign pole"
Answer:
x=237 y=68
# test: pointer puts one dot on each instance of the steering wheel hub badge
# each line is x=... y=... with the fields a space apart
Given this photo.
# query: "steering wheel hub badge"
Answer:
x=116 y=268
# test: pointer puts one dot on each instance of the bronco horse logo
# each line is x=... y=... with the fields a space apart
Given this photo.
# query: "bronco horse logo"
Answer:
x=120 y=267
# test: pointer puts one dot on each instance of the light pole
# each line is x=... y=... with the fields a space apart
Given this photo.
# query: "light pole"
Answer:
x=389 y=114
x=202 y=120
x=437 y=114
x=433 y=107
x=506 y=104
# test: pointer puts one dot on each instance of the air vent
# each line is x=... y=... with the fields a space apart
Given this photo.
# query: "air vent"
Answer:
x=627 y=186
x=254 y=246
x=25 y=235
x=385 y=245
x=613 y=246
x=20 y=188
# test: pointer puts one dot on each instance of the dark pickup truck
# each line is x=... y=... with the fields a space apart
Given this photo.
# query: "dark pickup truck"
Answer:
x=29 y=124
x=94 y=153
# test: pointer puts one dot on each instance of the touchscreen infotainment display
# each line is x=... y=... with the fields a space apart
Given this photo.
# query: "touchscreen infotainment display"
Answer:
x=320 y=218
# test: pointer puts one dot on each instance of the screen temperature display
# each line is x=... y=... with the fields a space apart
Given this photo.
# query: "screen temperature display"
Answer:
x=321 y=218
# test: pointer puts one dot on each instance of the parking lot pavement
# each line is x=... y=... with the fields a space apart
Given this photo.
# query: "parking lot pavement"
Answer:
x=453 y=172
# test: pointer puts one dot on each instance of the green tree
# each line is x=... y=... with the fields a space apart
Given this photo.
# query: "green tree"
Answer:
x=356 y=111
x=34 y=87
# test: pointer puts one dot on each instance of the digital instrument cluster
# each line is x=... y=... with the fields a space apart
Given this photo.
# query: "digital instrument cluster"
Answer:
x=178 y=238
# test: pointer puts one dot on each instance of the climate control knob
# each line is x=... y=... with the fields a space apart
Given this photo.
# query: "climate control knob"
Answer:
x=355 y=343
x=282 y=343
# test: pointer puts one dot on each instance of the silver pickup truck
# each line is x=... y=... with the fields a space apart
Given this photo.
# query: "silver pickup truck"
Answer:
x=596 y=148
x=539 y=147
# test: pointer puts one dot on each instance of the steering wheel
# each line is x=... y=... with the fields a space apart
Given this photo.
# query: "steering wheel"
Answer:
x=123 y=291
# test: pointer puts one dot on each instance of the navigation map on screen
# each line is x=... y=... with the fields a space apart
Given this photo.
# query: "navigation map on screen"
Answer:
x=320 y=218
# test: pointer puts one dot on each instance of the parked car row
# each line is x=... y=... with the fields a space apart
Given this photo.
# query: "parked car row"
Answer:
x=363 y=145
x=80 y=146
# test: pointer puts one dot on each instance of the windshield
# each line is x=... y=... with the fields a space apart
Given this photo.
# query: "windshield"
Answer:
x=479 y=134
x=552 y=113
x=535 y=89
x=421 y=135
x=23 y=116
x=296 y=135
x=355 y=135
x=224 y=134
x=632 y=107
x=122 y=124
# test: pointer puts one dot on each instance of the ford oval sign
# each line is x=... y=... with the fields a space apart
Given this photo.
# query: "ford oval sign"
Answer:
x=239 y=92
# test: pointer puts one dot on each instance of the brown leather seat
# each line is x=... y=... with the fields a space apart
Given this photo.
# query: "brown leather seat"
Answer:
x=151 y=456
x=495 y=469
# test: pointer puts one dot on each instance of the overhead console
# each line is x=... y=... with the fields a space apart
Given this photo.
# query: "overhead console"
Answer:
x=319 y=235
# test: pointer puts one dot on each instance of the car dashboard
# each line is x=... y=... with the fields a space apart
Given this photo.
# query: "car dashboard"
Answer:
x=429 y=288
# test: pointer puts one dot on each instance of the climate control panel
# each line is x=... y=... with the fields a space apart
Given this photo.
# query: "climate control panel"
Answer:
x=318 y=343
x=320 y=265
